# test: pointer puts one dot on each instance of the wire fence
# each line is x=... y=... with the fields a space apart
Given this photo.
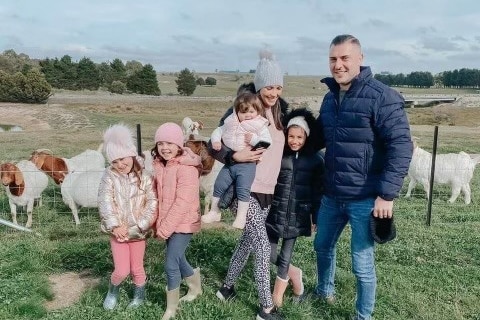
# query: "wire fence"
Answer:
x=53 y=211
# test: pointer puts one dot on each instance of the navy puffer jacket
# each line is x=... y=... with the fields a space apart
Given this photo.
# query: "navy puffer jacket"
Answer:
x=367 y=139
x=299 y=187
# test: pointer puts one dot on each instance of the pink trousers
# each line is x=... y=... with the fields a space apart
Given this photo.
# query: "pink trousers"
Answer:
x=128 y=259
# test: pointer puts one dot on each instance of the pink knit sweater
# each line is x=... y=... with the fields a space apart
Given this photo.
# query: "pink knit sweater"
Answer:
x=269 y=167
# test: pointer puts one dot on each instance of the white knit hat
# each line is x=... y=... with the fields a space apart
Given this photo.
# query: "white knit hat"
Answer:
x=299 y=121
x=268 y=72
x=118 y=142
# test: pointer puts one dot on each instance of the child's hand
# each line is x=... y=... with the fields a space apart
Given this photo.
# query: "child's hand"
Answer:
x=216 y=145
x=248 y=137
x=314 y=228
x=121 y=233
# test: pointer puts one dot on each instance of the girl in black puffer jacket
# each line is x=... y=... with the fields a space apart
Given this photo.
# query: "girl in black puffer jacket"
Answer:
x=296 y=199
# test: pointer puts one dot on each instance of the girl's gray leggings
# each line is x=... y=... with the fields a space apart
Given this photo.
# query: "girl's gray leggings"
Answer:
x=176 y=264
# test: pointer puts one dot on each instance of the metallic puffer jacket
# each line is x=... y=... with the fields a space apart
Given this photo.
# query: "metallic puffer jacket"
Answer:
x=122 y=202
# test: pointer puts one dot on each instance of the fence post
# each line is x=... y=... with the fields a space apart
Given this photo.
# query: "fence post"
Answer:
x=432 y=176
x=139 y=139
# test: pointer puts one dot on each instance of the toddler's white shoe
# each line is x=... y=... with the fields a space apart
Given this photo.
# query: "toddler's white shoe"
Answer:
x=211 y=216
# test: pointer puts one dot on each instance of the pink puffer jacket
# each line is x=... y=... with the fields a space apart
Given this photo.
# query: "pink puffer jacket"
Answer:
x=177 y=186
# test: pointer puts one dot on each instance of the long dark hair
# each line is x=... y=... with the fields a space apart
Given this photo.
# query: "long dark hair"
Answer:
x=277 y=115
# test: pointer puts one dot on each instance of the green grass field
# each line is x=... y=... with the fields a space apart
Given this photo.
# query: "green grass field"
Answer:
x=426 y=273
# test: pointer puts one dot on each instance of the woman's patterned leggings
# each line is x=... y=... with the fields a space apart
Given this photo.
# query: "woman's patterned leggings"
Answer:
x=254 y=238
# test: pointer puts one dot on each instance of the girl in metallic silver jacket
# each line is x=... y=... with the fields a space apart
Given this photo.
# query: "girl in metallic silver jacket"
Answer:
x=122 y=201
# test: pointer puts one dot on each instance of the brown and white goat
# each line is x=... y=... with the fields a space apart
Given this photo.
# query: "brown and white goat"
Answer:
x=211 y=168
x=24 y=184
x=57 y=168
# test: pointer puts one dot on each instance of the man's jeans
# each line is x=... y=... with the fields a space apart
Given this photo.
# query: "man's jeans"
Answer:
x=331 y=220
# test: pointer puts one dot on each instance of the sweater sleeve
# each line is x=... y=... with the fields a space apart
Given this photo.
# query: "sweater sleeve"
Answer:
x=217 y=134
x=224 y=155
x=263 y=135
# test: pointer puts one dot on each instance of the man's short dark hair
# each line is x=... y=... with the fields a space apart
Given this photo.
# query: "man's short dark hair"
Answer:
x=344 y=38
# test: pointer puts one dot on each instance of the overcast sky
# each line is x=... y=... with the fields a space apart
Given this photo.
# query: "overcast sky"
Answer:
x=205 y=35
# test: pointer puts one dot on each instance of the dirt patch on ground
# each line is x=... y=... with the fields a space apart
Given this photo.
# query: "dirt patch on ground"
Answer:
x=68 y=287
x=18 y=114
x=41 y=117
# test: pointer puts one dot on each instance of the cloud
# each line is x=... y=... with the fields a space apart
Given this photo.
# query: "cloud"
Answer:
x=439 y=44
x=377 y=23
x=396 y=35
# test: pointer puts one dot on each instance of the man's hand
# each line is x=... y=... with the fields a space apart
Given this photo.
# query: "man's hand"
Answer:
x=383 y=208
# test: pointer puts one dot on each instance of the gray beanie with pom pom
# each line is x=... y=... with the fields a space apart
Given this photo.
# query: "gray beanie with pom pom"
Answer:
x=268 y=71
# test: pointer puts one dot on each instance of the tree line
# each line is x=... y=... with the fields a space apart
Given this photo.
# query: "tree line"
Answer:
x=28 y=80
x=116 y=76
x=463 y=78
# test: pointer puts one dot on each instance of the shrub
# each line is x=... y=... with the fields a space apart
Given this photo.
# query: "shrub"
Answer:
x=29 y=88
x=210 y=81
x=117 y=87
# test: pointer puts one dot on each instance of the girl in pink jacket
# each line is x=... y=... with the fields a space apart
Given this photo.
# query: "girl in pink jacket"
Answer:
x=177 y=171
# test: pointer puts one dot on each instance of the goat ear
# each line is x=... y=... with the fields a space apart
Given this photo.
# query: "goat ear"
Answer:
x=38 y=161
x=200 y=125
x=18 y=177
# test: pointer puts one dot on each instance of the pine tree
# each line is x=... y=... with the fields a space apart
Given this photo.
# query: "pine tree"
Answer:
x=186 y=82
x=144 y=81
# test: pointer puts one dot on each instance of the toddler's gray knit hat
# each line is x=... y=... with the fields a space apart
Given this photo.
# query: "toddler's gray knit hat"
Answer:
x=268 y=71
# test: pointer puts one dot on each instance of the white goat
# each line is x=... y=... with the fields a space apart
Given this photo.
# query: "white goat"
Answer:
x=452 y=168
x=191 y=127
x=24 y=184
x=80 y=189
x=86 y=161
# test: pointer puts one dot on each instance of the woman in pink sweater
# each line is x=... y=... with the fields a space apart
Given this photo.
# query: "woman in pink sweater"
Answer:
x=176 y=181
x=268 y=85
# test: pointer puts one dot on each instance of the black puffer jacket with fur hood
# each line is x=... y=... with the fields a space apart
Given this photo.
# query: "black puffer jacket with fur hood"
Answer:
x=299 y=186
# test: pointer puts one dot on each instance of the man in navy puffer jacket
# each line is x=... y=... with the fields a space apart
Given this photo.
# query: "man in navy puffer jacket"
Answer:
x=365 y=131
